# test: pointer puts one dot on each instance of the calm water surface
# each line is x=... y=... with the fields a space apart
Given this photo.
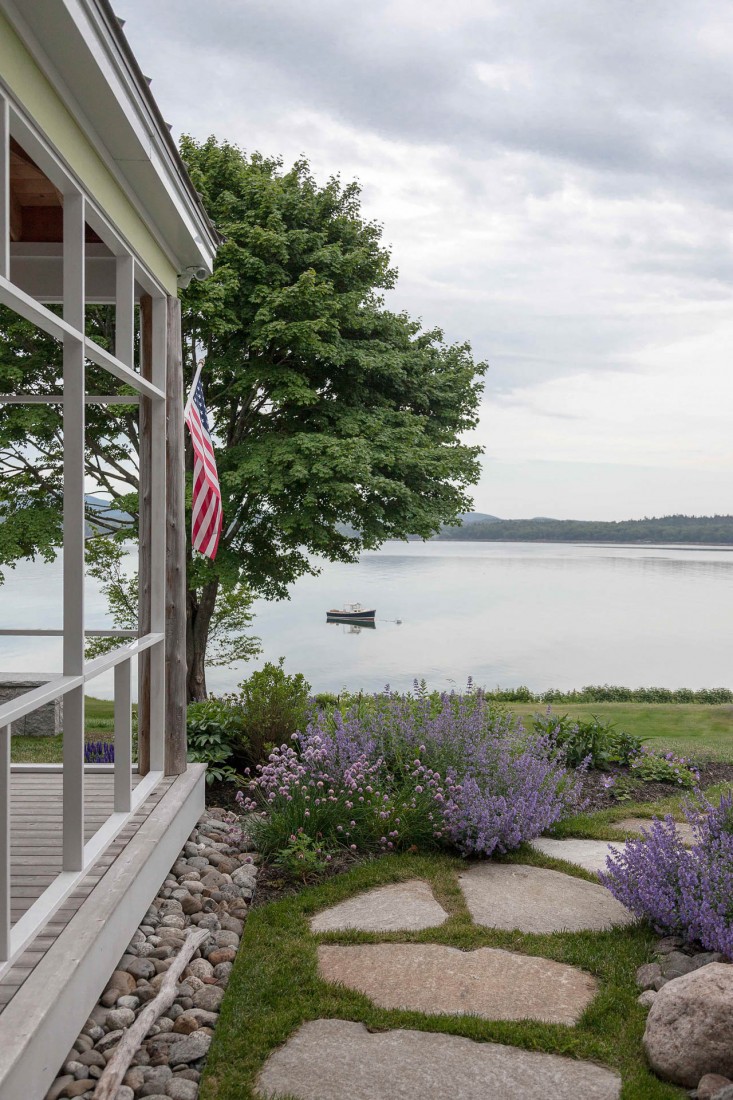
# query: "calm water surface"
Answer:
x=550 y=615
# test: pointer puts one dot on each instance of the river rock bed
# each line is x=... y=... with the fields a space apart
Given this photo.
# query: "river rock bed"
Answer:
x=211 y=885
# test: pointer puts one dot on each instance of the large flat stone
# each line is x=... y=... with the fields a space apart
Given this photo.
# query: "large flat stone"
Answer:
x=488 y=982
x=591 y=855
x=533 y=899
x=637 y=824
x=403 y=907
x=334 y=1059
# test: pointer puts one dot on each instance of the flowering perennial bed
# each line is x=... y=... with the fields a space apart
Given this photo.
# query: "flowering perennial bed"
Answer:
x=679 y=890
x=417 y=771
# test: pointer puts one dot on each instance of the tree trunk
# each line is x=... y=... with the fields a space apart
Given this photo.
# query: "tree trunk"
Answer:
x=199 y=610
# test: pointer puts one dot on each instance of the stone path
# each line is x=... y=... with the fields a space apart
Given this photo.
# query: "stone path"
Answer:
x=533 y=899
x=330 y=1059
x=404 y=907
x=636 y=824
x=488 y=982
x=591 y=855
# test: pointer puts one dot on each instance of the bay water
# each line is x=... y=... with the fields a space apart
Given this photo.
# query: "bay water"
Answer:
x=544 y=615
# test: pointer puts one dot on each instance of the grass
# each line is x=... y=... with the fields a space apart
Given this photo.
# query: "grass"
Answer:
x=274 y=986
x=99 y=725
x=691 y=729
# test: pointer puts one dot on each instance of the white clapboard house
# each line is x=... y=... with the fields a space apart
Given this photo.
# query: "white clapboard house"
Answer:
x=95 y=207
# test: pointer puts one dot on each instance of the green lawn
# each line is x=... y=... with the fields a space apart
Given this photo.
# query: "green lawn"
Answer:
x=275 y=986
x=692 y=729
x=99 y=726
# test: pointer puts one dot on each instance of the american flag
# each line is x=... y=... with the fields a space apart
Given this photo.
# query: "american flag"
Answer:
x=206 y=521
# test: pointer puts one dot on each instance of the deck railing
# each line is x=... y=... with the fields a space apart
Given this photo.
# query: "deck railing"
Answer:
x=128 y=282
x=78 y=855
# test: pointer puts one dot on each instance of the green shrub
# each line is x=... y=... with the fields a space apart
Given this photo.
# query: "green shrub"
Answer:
x=214 y=728
x=302 y=857
x=591 y=739
x=274 y=706
x=655 y=767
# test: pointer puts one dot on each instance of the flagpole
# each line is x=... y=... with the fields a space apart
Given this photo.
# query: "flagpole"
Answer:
x=194 y=384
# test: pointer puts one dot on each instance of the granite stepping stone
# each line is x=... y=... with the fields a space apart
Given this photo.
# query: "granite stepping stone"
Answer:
x=685 y=831
x=331 y=1059
x=591 y=855
x=534 y=899
x=488 y=982
x=403 y=907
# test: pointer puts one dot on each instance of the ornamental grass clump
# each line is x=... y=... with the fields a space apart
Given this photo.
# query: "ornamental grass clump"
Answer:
x=686 y=892
x=410 y=771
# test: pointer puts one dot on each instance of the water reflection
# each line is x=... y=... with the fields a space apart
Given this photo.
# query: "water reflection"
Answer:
x=506 y=613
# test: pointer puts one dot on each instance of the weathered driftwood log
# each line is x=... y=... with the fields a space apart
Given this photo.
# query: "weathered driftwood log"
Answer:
x=118 y=1064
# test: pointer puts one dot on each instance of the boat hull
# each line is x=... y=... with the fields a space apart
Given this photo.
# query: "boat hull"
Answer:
x=349 y=616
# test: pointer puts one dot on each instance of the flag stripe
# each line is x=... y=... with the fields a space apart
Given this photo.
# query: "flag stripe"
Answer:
x=207 y=517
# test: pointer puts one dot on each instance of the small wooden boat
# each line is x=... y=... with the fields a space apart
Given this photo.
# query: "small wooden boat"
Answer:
x=352 y=613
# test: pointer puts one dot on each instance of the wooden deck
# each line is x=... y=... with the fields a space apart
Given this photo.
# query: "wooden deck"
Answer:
x=73 y=955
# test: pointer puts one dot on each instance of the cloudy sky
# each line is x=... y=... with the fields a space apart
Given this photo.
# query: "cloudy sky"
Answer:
x=555 y=180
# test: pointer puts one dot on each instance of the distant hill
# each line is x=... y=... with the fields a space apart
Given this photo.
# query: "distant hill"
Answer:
x=99 y=504
x=682 y=529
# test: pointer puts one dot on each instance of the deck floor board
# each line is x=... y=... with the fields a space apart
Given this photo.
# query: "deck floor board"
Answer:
x=36 y=818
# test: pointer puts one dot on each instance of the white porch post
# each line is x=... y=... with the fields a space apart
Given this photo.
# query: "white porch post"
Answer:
x=73 y=420
x=4 y=843
x=157 y=569
x=175 y=613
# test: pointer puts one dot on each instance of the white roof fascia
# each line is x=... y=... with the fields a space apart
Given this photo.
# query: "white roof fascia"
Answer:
x=73 y=38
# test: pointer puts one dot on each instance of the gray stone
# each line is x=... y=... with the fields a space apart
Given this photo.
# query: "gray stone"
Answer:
x=711 y=1085
x=323 y=1055
x=668 y=944
x=246 y=875
x=647 y=997
x=647 y=975
x=200 y=968
x=222 y=971
x=120 y=1017
x=198 y=863
x=123 y=982
x=689 y=1030
x=406 y=906
x=134 y=1078
x=124 y=1093
x=488 y=982
x=534 y=899
x=92 y=1058
x=59 y=1085
x=109 y=1040
x=80 y=1087
x=209 y=998
x=725 y=1094
x=181 y=1089
x=676 y=963
x=191 y=1048
x=156 y=1079
x=226 y=939
x=591 y=855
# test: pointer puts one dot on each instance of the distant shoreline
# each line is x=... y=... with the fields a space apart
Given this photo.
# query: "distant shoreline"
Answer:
x=584 y=542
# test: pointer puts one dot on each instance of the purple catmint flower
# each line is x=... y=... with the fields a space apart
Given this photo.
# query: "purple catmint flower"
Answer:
x=687 y=892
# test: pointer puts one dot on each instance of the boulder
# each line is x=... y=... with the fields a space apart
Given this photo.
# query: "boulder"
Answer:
x=689 y=1030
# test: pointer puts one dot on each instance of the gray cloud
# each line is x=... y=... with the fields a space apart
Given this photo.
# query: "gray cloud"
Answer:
x=555 y=178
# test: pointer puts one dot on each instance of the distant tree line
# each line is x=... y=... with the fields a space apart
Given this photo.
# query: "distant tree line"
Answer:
x=683 y=529
x=612 y=693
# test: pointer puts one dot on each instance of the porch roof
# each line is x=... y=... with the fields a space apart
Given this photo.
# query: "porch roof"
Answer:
x=82 y=50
